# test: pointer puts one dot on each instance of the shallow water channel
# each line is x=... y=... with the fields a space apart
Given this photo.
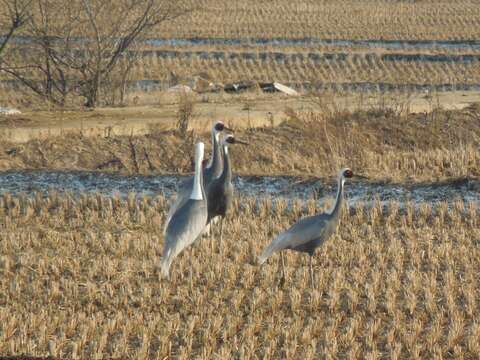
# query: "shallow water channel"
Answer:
x=315 y=42
x=289 y=188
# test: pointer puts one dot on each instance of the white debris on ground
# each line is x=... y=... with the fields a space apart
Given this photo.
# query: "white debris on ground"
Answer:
x=180 y=89
x=9 y=111
x=285 y=89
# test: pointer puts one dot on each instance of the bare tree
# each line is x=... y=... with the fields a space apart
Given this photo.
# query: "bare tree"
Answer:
x=34 y=63
x=113 y=26
x=76 y=46
x=15 y=15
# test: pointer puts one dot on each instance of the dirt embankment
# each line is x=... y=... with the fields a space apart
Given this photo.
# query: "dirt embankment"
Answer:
x=379 y=145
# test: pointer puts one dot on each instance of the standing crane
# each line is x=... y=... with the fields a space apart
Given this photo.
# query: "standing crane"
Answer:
x=220 y=190
x=212 y=171
x=309 y=233
x=188 y=221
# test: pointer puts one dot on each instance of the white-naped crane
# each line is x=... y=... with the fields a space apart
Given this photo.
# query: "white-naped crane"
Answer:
x=220 y=190
x=211 y=171
x=310 y=232
x=189 y=220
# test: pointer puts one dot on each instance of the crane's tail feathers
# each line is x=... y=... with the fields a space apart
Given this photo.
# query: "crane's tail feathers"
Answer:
x=166 y=262
x=266 y=254
x=275 y=245
x=261 y=259
x=165 y=269
x=167 y=221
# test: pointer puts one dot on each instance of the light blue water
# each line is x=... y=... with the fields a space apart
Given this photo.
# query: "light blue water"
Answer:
x=30 y=182
x=305 y=42
x=315 y=42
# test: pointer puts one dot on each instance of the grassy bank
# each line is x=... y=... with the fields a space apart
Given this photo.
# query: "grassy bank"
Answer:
x=79 y=279
x=380 y=144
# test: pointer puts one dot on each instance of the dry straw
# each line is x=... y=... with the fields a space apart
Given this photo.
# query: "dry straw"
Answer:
x=79 y=279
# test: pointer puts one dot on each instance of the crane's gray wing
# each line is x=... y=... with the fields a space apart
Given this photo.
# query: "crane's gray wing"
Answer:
x=183 y=194
x=185 y=226
x=302 y=232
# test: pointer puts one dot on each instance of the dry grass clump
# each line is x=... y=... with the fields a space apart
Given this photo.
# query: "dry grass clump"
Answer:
x=380 y=142
x=79 y=279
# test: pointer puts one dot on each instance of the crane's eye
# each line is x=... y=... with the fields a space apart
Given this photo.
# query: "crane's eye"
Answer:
x=219 y=126
x=348 y=173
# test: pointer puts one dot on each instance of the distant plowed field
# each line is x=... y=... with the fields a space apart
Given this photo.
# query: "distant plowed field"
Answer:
x=378 y=45
x=312 y=67
x=344 y=19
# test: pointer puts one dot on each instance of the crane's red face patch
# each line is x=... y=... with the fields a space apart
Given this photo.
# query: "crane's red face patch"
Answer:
x=348 y=173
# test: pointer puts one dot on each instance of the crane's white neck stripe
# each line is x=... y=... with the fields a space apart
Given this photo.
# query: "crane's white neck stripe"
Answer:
x=197 y=193
x=197 y=186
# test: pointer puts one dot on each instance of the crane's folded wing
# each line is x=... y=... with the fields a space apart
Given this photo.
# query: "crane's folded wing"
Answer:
x=186 y=226
x=183 y=193
x=300 y=233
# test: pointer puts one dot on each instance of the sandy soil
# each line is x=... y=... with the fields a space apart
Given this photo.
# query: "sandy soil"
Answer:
x=241 y=112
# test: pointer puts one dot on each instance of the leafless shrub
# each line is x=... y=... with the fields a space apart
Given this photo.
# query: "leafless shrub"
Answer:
x=185 y=111
x=14 y=15
x=76 y=47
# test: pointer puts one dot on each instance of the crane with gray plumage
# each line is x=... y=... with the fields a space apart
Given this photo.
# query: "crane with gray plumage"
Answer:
x=211 y=171
x=310 y=232
x=188 y=221
x=220 y=190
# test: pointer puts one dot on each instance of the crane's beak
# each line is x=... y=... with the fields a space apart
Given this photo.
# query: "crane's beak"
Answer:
x=237 y=141
x=360 y=176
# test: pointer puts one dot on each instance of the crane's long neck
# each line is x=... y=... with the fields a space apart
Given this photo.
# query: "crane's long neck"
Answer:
x=214 y=145
x=198 y=191
x=216 y=157
x=227 y=169
x=337 y=208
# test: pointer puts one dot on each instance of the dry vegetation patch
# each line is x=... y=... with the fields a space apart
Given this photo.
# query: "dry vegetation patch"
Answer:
x=79 y=279
x=380 y=143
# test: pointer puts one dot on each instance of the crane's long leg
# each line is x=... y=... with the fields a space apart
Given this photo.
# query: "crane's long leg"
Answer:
x=221 y=236
x=284 y=276
x=221 y=229
x=209 y=232
x=191 y=275
x=191 y=270
x=311 y=270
